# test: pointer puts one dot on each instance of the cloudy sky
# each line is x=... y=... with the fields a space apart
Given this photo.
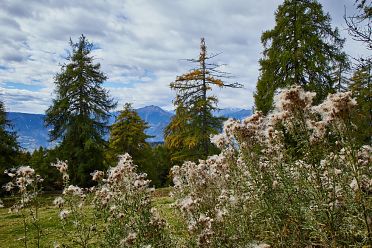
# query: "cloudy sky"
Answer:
x=140 y=45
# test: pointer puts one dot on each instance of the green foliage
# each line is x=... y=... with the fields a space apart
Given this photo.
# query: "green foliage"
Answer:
x=159 y=165
x=80 y=112
x=9 y=147
x=361 y=88
x=40 y=160
x=302 y=49
x=190 y=129
x=180 y=137
x=128 y=135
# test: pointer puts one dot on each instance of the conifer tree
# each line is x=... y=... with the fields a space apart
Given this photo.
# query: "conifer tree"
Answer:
x=128 y=135
x=79 y=113
x=194 y=106
x=361 y=87
x=180 y=137
x=301 y=49
x=9 y=147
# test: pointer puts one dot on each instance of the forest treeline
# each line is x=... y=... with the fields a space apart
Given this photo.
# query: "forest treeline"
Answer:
x=302 y=49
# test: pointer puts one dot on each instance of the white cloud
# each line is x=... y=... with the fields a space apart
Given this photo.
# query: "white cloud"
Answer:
x=141 y=44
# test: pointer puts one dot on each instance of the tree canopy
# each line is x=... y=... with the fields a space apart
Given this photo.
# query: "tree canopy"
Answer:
x=190 y=129
x=301 y=49
x=80 y=111
x=128 y=134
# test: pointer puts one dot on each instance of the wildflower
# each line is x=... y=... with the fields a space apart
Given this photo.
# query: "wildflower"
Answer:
x=64 y=214
x=21 y=182
x=9 y=186
x=39 y=179
x=56 y=245
x=187 y=203
x=338 y=172
x=263 y=246
x=10 y=172
x=129 y=240
x=336 y=106
x=25 y=171
x=275 y=184
x=61 y=166
x=354 y=185
x=75 y=190
x=15 y=208
x=220 y=140
x=97 y=175
x=65 y=177
x=220 y=214
x=59 y=201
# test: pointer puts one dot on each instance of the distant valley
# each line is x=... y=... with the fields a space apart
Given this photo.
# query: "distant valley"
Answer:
x=32 y=133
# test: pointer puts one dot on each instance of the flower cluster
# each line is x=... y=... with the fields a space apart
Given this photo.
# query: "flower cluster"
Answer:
x=62 y=167
x=278 y=174
x=25 y=184
x=122 y=199
x=120 y=202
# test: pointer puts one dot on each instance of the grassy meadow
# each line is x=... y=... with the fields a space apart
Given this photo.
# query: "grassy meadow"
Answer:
x=12 y=231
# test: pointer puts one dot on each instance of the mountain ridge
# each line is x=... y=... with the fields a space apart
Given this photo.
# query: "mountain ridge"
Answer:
x=32 y=133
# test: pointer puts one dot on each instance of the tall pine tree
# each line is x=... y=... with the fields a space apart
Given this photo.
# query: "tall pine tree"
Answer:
x=301 y=49
x=194 y=121
x=79 y=113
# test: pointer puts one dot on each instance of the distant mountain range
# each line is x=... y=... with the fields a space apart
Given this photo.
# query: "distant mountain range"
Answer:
x=32 y=133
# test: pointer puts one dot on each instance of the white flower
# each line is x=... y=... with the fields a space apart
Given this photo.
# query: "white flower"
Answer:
x=129 y=240
x=9 y=186
x=354 y=185
x=187 y=203
x=97 y=175
x=64 y=214
x=10 y=172
x=25 y=171
x=61 y=166
x=59 y=201
x=75 y=190
x=56 y=245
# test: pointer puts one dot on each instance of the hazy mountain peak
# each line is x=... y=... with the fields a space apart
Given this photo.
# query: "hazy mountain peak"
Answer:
x=32 y=133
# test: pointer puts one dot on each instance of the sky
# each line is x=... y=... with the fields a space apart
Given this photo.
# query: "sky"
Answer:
x=141 y=45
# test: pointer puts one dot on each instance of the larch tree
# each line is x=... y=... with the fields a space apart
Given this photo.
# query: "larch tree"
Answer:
x=128 y=135
x=302 y=49
x=180 y=137
x=194 y=121
x=79 y=113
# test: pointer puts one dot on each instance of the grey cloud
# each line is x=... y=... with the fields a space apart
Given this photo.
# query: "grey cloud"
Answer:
x=136 y=37
x=14 y=57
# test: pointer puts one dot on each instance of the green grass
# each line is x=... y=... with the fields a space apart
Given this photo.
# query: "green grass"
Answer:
x=12 y=232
